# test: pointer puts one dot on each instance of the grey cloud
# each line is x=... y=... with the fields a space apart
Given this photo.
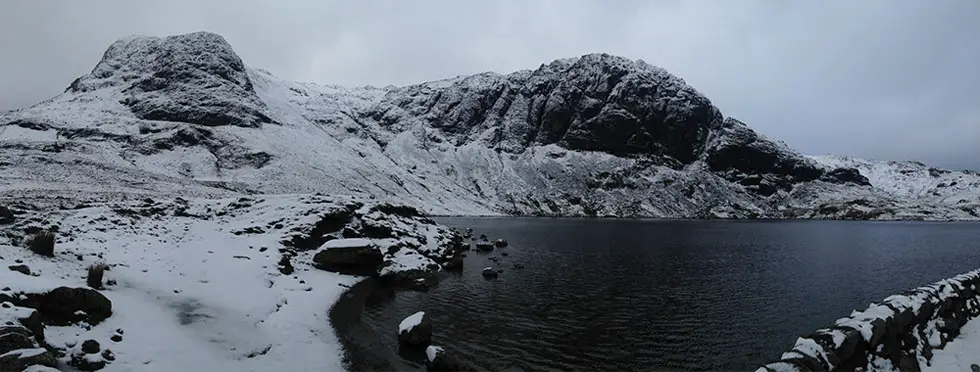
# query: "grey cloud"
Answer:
x=888 y=79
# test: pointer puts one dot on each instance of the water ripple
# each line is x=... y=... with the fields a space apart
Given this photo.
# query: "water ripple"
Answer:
x=666 y=295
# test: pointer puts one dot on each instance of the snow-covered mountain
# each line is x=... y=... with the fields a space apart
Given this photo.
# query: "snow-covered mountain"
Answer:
x=597 y=135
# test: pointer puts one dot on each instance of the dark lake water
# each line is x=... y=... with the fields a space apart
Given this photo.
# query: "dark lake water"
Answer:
x=641 y=295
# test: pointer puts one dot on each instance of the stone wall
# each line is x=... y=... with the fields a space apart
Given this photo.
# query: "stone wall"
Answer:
x=898 y=333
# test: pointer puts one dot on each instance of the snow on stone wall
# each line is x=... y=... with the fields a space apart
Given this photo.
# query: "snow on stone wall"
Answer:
x=898 y=333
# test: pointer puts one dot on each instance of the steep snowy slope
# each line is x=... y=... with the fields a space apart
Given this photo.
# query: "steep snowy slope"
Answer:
x=596 y=135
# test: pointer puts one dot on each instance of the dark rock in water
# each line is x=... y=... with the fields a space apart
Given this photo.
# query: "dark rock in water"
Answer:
x=19 y=360
x=500 y=243
x=11 y=341
x=91 y=347
x=484 y=246
x=61 y=305
x=6 y=216
x=490 y=273
x=349 y=256
x=483 y=237
x=23 y=269
x=437 y=360
x=504 y=254
x=421 y=284
x=518 y=266
x=415 y=330
x=454 y=264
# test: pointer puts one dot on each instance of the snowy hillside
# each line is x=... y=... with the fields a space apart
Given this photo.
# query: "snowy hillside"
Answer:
x=596 y=135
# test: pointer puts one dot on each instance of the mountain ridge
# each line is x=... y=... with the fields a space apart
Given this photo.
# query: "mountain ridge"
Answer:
x=596 y=135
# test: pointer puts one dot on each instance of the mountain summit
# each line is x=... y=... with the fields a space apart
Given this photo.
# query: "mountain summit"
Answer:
x=597 y=135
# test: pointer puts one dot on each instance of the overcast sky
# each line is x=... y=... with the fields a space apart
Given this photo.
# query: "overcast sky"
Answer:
x=887 y=79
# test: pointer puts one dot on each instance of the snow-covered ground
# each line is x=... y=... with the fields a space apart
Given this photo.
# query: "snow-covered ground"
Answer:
x=197 y=283
x=960 y=355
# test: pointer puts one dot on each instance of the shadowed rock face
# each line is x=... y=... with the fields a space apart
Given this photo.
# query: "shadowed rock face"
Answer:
x=597 y=103
x=194 y=78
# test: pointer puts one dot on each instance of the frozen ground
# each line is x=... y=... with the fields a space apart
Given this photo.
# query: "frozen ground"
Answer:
x=197 y=286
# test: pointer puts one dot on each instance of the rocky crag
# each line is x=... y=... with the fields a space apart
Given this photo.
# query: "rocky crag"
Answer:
x=596 y=135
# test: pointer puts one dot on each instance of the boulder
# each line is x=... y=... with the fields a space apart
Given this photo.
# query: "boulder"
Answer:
x=356 y=256
x=15 y=341
x=484 y=246
x=87 y=356
x=32 y=322
x=489 y=272
x=500 y=243
x=91 y=347
x=415 y=330
x=21 y=359
x=437 y=360
x=421 y=284
x=61 y=306
x=6 y=216
x=454 y=264
x=23 y=269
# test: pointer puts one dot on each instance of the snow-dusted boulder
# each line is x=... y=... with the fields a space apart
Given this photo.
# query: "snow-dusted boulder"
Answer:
x=415 y=330
x=500 y=243
x=22 y=320
x=65 y=305
x=89 y=356
x=355 y=256
x=21 y=359
x=15 y=338
x=438 y=360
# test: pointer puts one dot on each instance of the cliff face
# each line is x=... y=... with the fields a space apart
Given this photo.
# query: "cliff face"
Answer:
x=595 y=135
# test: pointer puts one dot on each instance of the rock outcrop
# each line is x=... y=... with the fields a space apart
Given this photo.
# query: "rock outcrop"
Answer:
x=350 y=256
x=192 y=78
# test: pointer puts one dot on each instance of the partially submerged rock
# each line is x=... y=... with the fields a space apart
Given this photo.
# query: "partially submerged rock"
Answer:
x=415 y=330
x=489 y=272
x=484 y=246
x=437 y=360
x=500 y=243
